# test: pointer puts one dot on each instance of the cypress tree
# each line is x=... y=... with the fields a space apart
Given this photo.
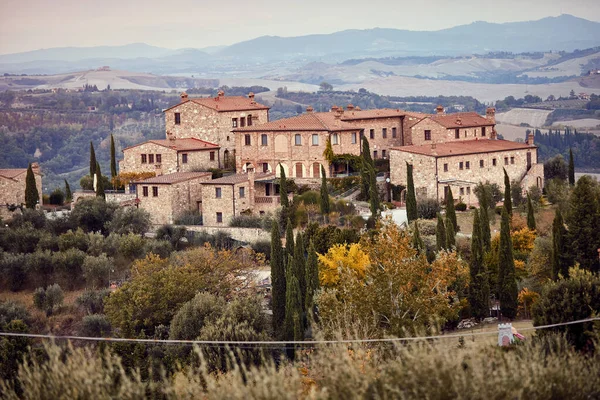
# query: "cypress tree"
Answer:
x=479 y=290
x=411 y=199
x=484 y=221
x=374 y=203
x=530 y=214
x=113 y=160
x=93 y=161
x=278 y=295
x=450 y=211
x=99 y=182
x=32 y=196
x=450 y=234
x=507 y=282
x=68 y=193
x=289 y=242
x=571 y=168
x=417 y=241
x=507 y=198
x=365 y=170
x=300 y=268
x=583 y=220
x=283 y=190
x=440 y=234
x=324 y=203
x=293 y=305
x=559 y=259
x=312 y=280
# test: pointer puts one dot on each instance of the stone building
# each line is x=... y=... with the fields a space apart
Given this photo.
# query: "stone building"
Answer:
x=441 y=127
x=169 y=156
x=462 y=164
x=166 y=197
x=12 y=188
x=213 y=119
x=242 y=193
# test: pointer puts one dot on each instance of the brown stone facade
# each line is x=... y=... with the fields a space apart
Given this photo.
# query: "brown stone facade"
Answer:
x=192 y=120
x=166 y=197
x=12 y=188
x=441 y=134
x=383 y=134
x=152 y=157
x=433 y=173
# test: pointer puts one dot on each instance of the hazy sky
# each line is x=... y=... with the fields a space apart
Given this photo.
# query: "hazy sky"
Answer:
x=34 y=24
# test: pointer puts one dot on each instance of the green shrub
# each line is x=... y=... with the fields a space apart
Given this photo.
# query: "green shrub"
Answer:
x=171 y=234
x=12 y=310
x=68 y=266
x=93 y=214
x=48 y=300
x=92 y=301
x=132 y=246
x=74 y=240
x=127 y=220
x=246 y=221
x=308 y=197
x=12 y=267
x=161 y=248
x=427 y=208
x=48 y=241
x=95 y=325
x=36 y=218
x=191 y=317
x=190 y=217
x=460 y=206
x=57 y=197
x=40 y=266
x=264 y=247
x=96 y=270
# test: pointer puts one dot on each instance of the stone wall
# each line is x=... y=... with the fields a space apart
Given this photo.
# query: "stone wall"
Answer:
x=426 y=167
x=171 y=160
x=12 y=191
x=441 y=134
x=248 y=235
x=301 y=162
x=205 y=123
x=380 y=145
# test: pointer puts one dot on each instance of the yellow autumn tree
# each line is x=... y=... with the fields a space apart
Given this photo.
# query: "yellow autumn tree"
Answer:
x=340 y=258
x=400 y=293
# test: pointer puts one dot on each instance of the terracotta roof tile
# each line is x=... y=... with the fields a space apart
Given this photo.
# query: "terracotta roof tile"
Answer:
x=325 y=121
x=175 y=177
x=460 y=120
x=350 y=115
x=187 y=144
x=226 y=103
x=464 y=147
x=237 y=178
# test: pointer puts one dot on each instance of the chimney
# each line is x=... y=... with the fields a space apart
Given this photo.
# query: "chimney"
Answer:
x=250 y=172
x=184 y=97
x=309 y=109
x=357 y=108
x=220 y=93
x=350 y=107
x=494 y=134
x=458 y=120
x=439 y=109
x=334 y=108
x=490 y=114
x=170 y=135
x=530 y=139
x=338 y=113
x=251 y=97
x=35 y=167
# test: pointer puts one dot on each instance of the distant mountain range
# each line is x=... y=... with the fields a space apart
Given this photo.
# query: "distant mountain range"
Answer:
x=565 y=32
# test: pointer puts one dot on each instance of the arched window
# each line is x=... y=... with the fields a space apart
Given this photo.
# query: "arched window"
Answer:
x=316 y=170
x=299 y=170
x=226 y=158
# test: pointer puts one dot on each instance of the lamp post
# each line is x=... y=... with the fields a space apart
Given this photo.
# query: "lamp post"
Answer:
x=388 y=187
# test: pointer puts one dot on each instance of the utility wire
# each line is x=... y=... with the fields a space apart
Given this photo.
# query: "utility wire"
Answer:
x=237 y=343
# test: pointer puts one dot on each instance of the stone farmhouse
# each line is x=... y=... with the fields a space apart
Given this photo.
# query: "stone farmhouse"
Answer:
x=213 y=120
x=462 y=164
x=166 y=197
x=12 y=188
x=298 y=143
x=170 y=155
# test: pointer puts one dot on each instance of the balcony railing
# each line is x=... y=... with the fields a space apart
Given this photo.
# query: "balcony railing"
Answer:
x=267 y=200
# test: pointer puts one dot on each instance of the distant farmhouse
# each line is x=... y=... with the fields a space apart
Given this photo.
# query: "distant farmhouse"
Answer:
x=456 y=150
x=12 y=188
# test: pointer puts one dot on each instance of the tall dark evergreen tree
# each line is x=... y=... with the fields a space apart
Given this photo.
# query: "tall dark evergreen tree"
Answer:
x=571 y=168
x=293 y=306
x=99 y=182
x=278 y=291
x=484 y=220
x=300 y=267
x=113 y=159
x=324 y=200
x=411 y=199
x=283 y=190
x=365 y=169
x=417 y=241
x=450 y=234
x=93 y=161
x=32 y=195
x=479 y=289
x=507 y=195
x=583 y=221
x=312 y=281
x=289 y=242
x=560 y=264
x=374 y=203
x=450 y=210
x=530 y=214
x=507 y=280
x=68 y=193
x=440 y=234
